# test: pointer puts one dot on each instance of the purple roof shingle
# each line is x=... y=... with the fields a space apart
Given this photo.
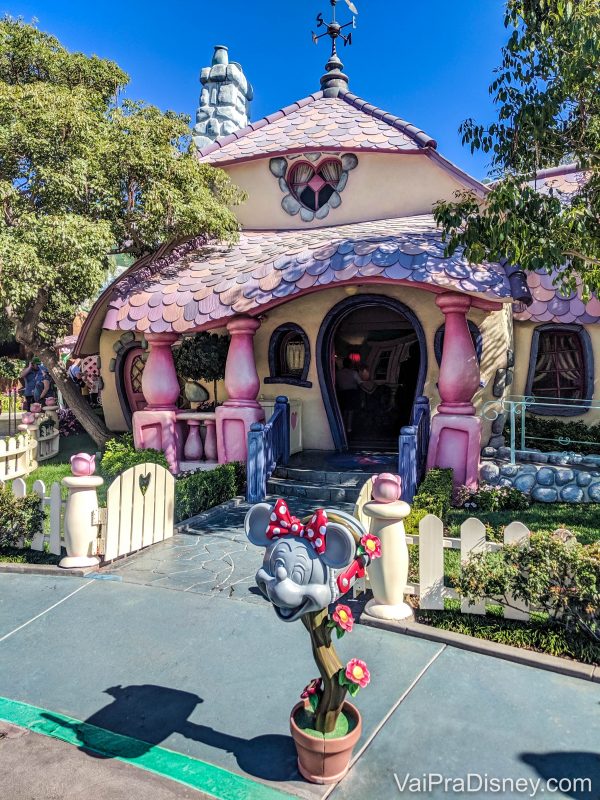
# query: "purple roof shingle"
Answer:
x=323 y=123
x=201 y=285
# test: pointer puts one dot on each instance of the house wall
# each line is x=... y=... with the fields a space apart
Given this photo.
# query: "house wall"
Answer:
x=382 y=185
x=309 y=312
x=523 y=335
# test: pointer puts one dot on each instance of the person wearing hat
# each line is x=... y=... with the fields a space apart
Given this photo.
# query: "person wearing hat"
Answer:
x=31 y=377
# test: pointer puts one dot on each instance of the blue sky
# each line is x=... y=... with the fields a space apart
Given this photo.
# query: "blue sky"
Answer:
x=429 y=62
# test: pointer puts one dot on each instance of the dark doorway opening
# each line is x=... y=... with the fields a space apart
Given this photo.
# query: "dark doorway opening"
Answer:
x=373 y=364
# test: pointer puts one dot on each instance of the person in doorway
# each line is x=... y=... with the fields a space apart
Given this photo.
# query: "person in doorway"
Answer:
x=30 y=376
x=348 y=392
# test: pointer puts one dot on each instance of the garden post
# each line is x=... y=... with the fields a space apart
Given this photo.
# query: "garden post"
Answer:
x=80 y=511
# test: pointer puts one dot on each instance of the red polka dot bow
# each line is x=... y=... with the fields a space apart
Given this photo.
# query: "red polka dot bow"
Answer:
x=282 y=523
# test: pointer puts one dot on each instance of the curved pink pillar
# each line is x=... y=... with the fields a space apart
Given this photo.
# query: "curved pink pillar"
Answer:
x=159 y=379
x=240 y=410
x=455 y=440
x=459 y=370
x=241 y=378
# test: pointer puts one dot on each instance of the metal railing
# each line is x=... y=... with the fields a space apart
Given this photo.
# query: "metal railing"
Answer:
x=268 y=446
x=412 y=448
x=516 y=407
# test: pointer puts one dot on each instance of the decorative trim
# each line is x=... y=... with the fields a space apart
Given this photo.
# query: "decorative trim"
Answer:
x=588 y=363
x=275 y=343
x=476 y=336
x=325 y=339
x=280 y=168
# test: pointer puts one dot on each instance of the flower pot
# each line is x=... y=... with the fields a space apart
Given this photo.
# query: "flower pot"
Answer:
x=50 y=402
x=36 y=408
x=386 y=487
x=323 y=760
x=27 y=418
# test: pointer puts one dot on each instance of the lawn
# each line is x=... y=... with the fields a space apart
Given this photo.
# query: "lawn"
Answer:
x=582 y=519
x=60 y=466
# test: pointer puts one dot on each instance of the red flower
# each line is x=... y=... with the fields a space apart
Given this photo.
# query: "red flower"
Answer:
x=313 y=687
x=357 y=672
x=342 y=616
x=372 y=545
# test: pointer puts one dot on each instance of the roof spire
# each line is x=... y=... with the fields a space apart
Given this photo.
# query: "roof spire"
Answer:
x=334 y=79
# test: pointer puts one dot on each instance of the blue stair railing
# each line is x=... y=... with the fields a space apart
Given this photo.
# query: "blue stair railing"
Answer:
x=268 y=447
x=413 y=446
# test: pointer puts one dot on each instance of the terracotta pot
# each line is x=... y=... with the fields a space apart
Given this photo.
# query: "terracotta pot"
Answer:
x=325 y=760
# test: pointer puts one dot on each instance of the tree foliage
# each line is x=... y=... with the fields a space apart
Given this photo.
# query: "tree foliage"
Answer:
x=548 y=113
x=83 y=175
x=202 y=357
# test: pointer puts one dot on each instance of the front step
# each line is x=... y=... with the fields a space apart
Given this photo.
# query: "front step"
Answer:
x=316 y=485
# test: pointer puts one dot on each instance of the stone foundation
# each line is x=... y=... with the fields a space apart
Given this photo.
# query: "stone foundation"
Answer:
x=545 y=483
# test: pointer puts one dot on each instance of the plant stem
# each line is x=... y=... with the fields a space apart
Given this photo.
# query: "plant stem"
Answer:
x=329 y=665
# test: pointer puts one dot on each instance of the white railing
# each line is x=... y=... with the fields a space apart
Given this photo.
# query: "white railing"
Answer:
x=431 y=543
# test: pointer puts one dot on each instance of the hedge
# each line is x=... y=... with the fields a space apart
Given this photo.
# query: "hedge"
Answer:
x=545 y=428
x=434 y=496
x=199 y=491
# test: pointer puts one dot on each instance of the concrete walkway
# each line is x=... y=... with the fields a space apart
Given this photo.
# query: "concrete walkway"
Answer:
x=188 y=673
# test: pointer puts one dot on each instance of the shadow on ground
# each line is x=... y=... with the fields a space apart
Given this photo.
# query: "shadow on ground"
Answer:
x=580 y=771
x=145 y=716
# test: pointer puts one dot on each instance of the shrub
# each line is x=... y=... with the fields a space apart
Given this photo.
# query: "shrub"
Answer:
x=557 y=576
x=433 y=496
x=202 y=357
x=198 y=491
x=68 y=424
x=491 y=498
x=120 y=454
x=19 y=516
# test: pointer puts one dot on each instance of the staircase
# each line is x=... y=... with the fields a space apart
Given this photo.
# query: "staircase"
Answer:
x=318 y=486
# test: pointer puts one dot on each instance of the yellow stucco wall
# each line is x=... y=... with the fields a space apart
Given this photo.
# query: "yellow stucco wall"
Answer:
x=309 y=312
x=523 y=335
x=381 y=186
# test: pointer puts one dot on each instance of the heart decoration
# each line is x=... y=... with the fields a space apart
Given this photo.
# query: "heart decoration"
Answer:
x=144 y=482
x=294 y=419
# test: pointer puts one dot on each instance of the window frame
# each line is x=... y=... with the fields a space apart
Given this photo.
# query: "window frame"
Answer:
x=279 y=335
x=558 y=409
x=316 y=169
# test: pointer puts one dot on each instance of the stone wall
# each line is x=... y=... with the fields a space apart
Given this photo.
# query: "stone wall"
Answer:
x=545 y=483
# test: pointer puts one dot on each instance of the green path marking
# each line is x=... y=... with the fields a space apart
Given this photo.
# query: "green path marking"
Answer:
x=215 y=781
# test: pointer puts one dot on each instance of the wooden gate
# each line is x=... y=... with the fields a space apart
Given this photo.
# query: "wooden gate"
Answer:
x=140 y=507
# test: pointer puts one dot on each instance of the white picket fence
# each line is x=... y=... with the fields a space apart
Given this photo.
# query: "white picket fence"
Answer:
x=51 y=533
x=432 y=543
x=139 y=512
x=17 y=456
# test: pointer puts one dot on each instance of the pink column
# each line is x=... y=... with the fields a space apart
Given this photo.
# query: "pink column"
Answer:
x=240 y=410
x=159 y=379
x=156 y=426
x=455 y=432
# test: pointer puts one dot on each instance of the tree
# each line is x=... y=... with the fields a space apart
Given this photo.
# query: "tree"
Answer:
x=83 y=175
x=202 y=357
x=546 y=94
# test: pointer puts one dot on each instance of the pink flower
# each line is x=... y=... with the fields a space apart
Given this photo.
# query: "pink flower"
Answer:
x=372 y=545
x=357 y=672
x=313 y=687
x=342 y=616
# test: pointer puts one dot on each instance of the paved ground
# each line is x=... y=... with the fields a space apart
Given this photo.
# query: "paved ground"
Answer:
x=179 y=659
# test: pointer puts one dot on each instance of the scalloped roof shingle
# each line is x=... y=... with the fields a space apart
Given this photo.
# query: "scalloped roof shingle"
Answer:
x=344 y=122
x=200 y=285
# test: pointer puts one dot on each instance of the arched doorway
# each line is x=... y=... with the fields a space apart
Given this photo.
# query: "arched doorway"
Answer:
x=372 y=361
x=129 y=369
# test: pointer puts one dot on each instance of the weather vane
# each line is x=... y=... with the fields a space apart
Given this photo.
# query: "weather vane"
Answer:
x=334 y=29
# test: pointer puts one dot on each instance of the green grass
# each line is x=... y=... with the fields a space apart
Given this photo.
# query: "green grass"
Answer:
x=14 y=555
x=537 y=634
x=582 y=519
x=57 y=468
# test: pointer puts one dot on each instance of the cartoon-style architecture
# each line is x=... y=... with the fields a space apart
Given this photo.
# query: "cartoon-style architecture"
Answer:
x=338 y=293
